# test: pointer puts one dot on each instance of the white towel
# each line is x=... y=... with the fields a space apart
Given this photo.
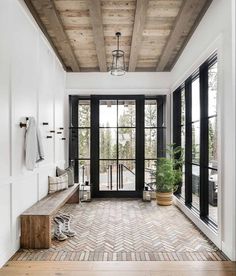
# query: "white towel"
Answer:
x=33 y=145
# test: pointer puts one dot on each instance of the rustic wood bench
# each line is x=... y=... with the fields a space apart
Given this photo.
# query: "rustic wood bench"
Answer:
x=36 y=221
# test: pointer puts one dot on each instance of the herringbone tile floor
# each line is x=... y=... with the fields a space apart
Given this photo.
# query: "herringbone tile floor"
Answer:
x=125 y=230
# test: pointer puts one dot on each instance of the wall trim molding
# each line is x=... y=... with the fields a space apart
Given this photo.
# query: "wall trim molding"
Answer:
x=121 y=91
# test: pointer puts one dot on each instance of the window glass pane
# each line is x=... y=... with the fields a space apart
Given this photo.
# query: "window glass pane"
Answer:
x=183 y=182
x=150 y=143
x=213 y=194
x=212 y=142
x=108 y=113
x=183 y=167
x=183 y=139
x=84 y=113
x=126 y=143
x=126 y=113
x=212 y=90
x=182 y=106
x=108 y=145
x=84 y=143
x=126 y=175
x=150 y=169
x=195 y=186
x=107 y=176
x=196 y=143
x=195 y=100
x=150 y=113
x=84 y=171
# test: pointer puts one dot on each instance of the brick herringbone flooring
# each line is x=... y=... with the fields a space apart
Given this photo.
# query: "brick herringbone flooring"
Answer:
x=125 y=230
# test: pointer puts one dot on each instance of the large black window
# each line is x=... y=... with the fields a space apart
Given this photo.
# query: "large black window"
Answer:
x=195 y=129
x=115 y=141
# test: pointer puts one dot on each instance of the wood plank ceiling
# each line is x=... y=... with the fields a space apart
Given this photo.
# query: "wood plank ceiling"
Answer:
x=82 y=32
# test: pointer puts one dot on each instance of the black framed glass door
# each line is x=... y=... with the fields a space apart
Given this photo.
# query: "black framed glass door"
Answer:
x=114 y=142
x=117 y=140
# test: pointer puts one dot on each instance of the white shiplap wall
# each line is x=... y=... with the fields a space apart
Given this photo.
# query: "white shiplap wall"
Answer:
x=31 y=84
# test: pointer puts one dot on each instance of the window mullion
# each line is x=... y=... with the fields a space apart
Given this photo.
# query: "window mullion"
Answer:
x=188 y=142
x=204 y=193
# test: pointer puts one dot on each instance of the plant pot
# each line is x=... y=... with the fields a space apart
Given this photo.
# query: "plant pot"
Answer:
x=164 y=199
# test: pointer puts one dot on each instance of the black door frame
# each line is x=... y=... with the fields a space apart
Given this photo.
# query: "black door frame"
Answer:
x=139 y=146
x=94 y=141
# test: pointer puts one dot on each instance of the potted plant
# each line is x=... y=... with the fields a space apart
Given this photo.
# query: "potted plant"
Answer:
x=168 y=174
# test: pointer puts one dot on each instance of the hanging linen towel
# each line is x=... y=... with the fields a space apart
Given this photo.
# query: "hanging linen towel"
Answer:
x=33 y=145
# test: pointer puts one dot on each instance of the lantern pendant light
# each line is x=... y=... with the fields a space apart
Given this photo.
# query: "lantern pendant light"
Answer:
x=118 y=60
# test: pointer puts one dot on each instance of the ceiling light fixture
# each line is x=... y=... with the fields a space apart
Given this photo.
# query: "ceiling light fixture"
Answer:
x=118 y=59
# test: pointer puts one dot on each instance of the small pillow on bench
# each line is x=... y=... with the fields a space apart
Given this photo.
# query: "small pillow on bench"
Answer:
x=56 y=184
x=70 y=172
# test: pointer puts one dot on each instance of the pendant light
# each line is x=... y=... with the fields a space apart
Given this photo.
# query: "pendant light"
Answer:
x=118 y=60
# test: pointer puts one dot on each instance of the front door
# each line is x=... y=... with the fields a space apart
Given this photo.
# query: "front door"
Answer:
x=117 y=138
x=117 y=145
x=115 y=142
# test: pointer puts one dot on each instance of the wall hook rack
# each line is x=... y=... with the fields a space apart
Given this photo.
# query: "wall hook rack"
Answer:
x=23 y=124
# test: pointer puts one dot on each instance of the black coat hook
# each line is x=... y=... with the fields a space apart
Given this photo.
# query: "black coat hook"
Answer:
x=24 y=124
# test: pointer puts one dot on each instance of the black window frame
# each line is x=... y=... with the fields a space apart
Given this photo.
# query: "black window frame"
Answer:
x=94 y=140
x=202 y=73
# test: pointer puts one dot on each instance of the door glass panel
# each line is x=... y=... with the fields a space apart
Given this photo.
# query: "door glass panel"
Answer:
x=150 y=143
x=108 y=143
x=84 y=143
x=84 y=171
x=108 y=113
x=195 y=186
x=107 y=175
x=126 y=175
x=126 y=113
x=84 y=113
x=126 y=143
x=150 y=113
x=117 y=135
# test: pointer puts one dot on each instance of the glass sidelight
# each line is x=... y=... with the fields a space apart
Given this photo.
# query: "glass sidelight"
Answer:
x=117 y=144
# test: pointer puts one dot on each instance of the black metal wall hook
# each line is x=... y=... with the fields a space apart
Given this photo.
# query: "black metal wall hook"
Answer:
x=24 y=124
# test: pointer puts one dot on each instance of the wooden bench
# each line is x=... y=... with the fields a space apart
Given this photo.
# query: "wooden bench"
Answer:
x=36 y=221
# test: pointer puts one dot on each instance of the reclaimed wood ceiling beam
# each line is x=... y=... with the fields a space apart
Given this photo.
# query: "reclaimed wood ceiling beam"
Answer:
x=187 y=11
x=98 y=33
x=139 y=22
x=47 y=7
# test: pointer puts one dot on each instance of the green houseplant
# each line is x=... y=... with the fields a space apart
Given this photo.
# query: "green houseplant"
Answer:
x=168 y=174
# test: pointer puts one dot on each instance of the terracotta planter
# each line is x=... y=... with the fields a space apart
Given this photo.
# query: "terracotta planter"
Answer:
x=164 y=199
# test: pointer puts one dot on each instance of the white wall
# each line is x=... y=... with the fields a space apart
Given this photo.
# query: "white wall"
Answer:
x=215 y=32
x=31 y=84
x=95 y=83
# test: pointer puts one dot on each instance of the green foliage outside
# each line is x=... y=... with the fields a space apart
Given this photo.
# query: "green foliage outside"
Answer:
x=169 y=170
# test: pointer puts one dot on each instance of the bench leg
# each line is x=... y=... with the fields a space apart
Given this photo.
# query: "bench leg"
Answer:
x=35 y=232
